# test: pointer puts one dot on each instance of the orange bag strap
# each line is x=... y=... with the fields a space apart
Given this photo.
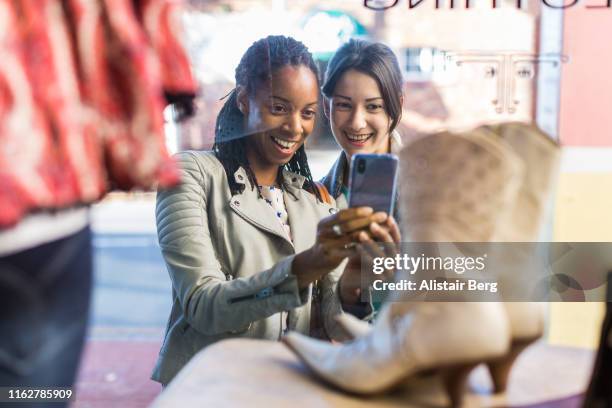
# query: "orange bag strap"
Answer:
x=325 y=196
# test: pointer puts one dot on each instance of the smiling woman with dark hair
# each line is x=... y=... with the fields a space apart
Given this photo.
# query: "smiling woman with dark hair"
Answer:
x=363 y=101
x=247 y=232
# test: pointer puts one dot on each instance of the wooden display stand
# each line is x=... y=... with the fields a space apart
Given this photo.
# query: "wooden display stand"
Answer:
x=257 y=373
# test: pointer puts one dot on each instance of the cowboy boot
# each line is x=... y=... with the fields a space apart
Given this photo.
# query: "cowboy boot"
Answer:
x=521 y=221
x=410 y=338
x=540 y=157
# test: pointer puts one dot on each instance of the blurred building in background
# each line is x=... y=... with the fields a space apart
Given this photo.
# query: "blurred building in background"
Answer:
x=456 y=62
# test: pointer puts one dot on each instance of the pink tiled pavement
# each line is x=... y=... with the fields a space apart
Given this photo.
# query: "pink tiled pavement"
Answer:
x=115 y=373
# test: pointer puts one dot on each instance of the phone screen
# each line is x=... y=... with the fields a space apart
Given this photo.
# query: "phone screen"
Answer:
x=373 y=181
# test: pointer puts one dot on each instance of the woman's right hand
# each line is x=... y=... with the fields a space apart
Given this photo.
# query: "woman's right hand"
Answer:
x=337 y=236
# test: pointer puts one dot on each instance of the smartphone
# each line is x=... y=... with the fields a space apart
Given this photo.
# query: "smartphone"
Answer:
x=373 y=181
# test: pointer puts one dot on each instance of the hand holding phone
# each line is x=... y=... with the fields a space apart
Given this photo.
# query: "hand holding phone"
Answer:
x=373 y=183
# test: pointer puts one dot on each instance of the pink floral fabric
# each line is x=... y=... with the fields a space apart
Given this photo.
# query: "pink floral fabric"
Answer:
x=81 y=100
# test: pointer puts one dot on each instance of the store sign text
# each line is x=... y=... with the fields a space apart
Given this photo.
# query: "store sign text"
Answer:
x=555 y=4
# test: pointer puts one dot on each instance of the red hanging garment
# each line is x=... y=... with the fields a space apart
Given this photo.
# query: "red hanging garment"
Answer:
x=81 y=104
x=135 y=147
x=51 y=62
x=23 y=183
x=161 y=21
x=44 y=142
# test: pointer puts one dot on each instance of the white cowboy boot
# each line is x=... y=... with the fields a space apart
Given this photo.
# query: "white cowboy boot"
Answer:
x=410 y=338
x=540 y=157
x=519 y=222
x=450 y=338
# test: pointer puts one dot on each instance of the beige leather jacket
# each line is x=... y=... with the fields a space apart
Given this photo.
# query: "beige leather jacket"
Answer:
x=230 y=262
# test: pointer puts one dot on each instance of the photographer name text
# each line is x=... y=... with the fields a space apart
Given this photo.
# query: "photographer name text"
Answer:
x=434 y=285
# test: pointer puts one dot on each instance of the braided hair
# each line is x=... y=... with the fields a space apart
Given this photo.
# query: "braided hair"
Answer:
x=263 y=57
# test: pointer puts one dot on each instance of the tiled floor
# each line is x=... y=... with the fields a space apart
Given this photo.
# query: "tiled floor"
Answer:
x=115 y=373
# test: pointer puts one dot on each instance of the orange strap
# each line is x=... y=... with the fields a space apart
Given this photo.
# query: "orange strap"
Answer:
x=325 y=196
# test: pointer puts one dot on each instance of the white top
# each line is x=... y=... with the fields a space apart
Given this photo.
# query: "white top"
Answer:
x=274 y=197
x=38 y=229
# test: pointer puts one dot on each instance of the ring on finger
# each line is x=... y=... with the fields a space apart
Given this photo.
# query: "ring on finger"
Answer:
x=337 y=230
x=350 y=245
